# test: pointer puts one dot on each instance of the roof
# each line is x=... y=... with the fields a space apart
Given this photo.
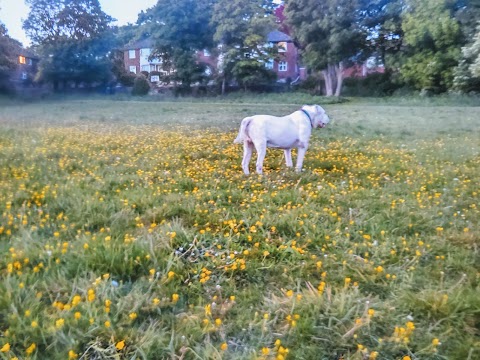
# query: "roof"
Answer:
x=278 y=36
x=27 y=53
x=139 y=44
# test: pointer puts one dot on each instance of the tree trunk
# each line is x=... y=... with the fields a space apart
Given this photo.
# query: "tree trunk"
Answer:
x=333 y=76
x=223 y=85
x=339 y=75
x=328 y=82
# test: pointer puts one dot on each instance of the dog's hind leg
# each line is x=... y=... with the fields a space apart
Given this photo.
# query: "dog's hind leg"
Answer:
x=247 y=155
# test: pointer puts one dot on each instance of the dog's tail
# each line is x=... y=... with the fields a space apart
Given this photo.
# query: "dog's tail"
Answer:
x=242 y=133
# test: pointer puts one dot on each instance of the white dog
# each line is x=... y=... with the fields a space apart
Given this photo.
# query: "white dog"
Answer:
x=285 y=133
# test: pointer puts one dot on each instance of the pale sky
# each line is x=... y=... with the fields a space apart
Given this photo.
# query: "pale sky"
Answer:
x=12 y=12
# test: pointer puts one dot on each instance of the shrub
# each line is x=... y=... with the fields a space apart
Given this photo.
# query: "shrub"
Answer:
x=140 y=86
x=127 y=79
x=377 y=84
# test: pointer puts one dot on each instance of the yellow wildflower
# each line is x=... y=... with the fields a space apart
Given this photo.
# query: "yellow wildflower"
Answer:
x=120 y=345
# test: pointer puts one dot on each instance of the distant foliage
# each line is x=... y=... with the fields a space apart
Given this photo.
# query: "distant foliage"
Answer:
x=241 y=28
x=141 y=86
x=431 y=43
x=73 y=39
x=7 y=58
x=377 y=84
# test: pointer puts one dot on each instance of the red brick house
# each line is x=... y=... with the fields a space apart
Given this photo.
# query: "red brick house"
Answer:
x=287 y=67
x=27 y=67
x=136 y=58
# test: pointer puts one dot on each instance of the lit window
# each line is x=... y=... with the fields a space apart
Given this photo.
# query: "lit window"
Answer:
x=133 y=69
x=269 y=64
x=22 y=60
x=282 y=47
x=282 y=66
x=131 y=54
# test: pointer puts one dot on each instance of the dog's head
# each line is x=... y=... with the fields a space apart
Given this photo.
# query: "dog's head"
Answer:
x=317 y=113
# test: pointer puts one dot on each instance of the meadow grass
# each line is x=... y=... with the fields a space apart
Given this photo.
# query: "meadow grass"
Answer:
x=128 y=230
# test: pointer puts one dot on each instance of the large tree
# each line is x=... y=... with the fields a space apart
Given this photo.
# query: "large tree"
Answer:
x=7 y=57
x=432 y=40
x=329 y=33
x=241 y=29
x=179 y=29
x=382 y=22
x=73 y=39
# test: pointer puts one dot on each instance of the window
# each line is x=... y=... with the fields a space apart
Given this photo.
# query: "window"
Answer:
x=269 y=64
x=133 y=69
x=131 y=54
x=282 y=66
x=24 y=76
x=145 y=52
x=155 y=78
x=145 y=68
x=22 y=60
x=206 y=53
x=30 y=62
x=282 y=47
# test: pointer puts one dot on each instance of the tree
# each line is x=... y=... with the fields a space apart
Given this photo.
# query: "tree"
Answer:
x=241 y=29
x=329 y=33
x=72 y=37
x=7 y=58
x=432 y=39
x=467 y=74
x=383 y=23
x=472 y=52
x=179 y=29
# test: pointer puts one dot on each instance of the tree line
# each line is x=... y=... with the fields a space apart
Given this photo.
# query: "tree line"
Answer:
x=430 y=45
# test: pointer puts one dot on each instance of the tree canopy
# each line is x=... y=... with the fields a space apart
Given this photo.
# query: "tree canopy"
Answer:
x=7 y=57
x=72 y=37
x=179 y=29
x=241 y=29
x=431 y=38
x=329 y=33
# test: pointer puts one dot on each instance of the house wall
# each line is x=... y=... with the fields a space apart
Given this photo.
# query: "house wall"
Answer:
x=132 y=62
x=290 y=56
x=24 y=74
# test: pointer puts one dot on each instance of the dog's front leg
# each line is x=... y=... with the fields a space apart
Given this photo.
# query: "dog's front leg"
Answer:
x=288 y=157
x=302 y=149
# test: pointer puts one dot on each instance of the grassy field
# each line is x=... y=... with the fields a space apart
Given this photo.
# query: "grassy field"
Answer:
x=128 y=231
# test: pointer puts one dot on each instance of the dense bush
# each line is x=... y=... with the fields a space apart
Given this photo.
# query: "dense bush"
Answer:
x=140 y=86
x=127 y=79
x=377 y=84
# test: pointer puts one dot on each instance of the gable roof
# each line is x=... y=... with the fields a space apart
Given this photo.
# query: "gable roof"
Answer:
x=140 y=44
x=278 y=36
x=26 y=53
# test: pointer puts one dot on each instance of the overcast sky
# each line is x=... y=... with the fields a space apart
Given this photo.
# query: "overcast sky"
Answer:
x=12 y=12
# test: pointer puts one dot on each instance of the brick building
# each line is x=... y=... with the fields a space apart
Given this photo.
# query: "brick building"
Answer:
x=287 y=67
